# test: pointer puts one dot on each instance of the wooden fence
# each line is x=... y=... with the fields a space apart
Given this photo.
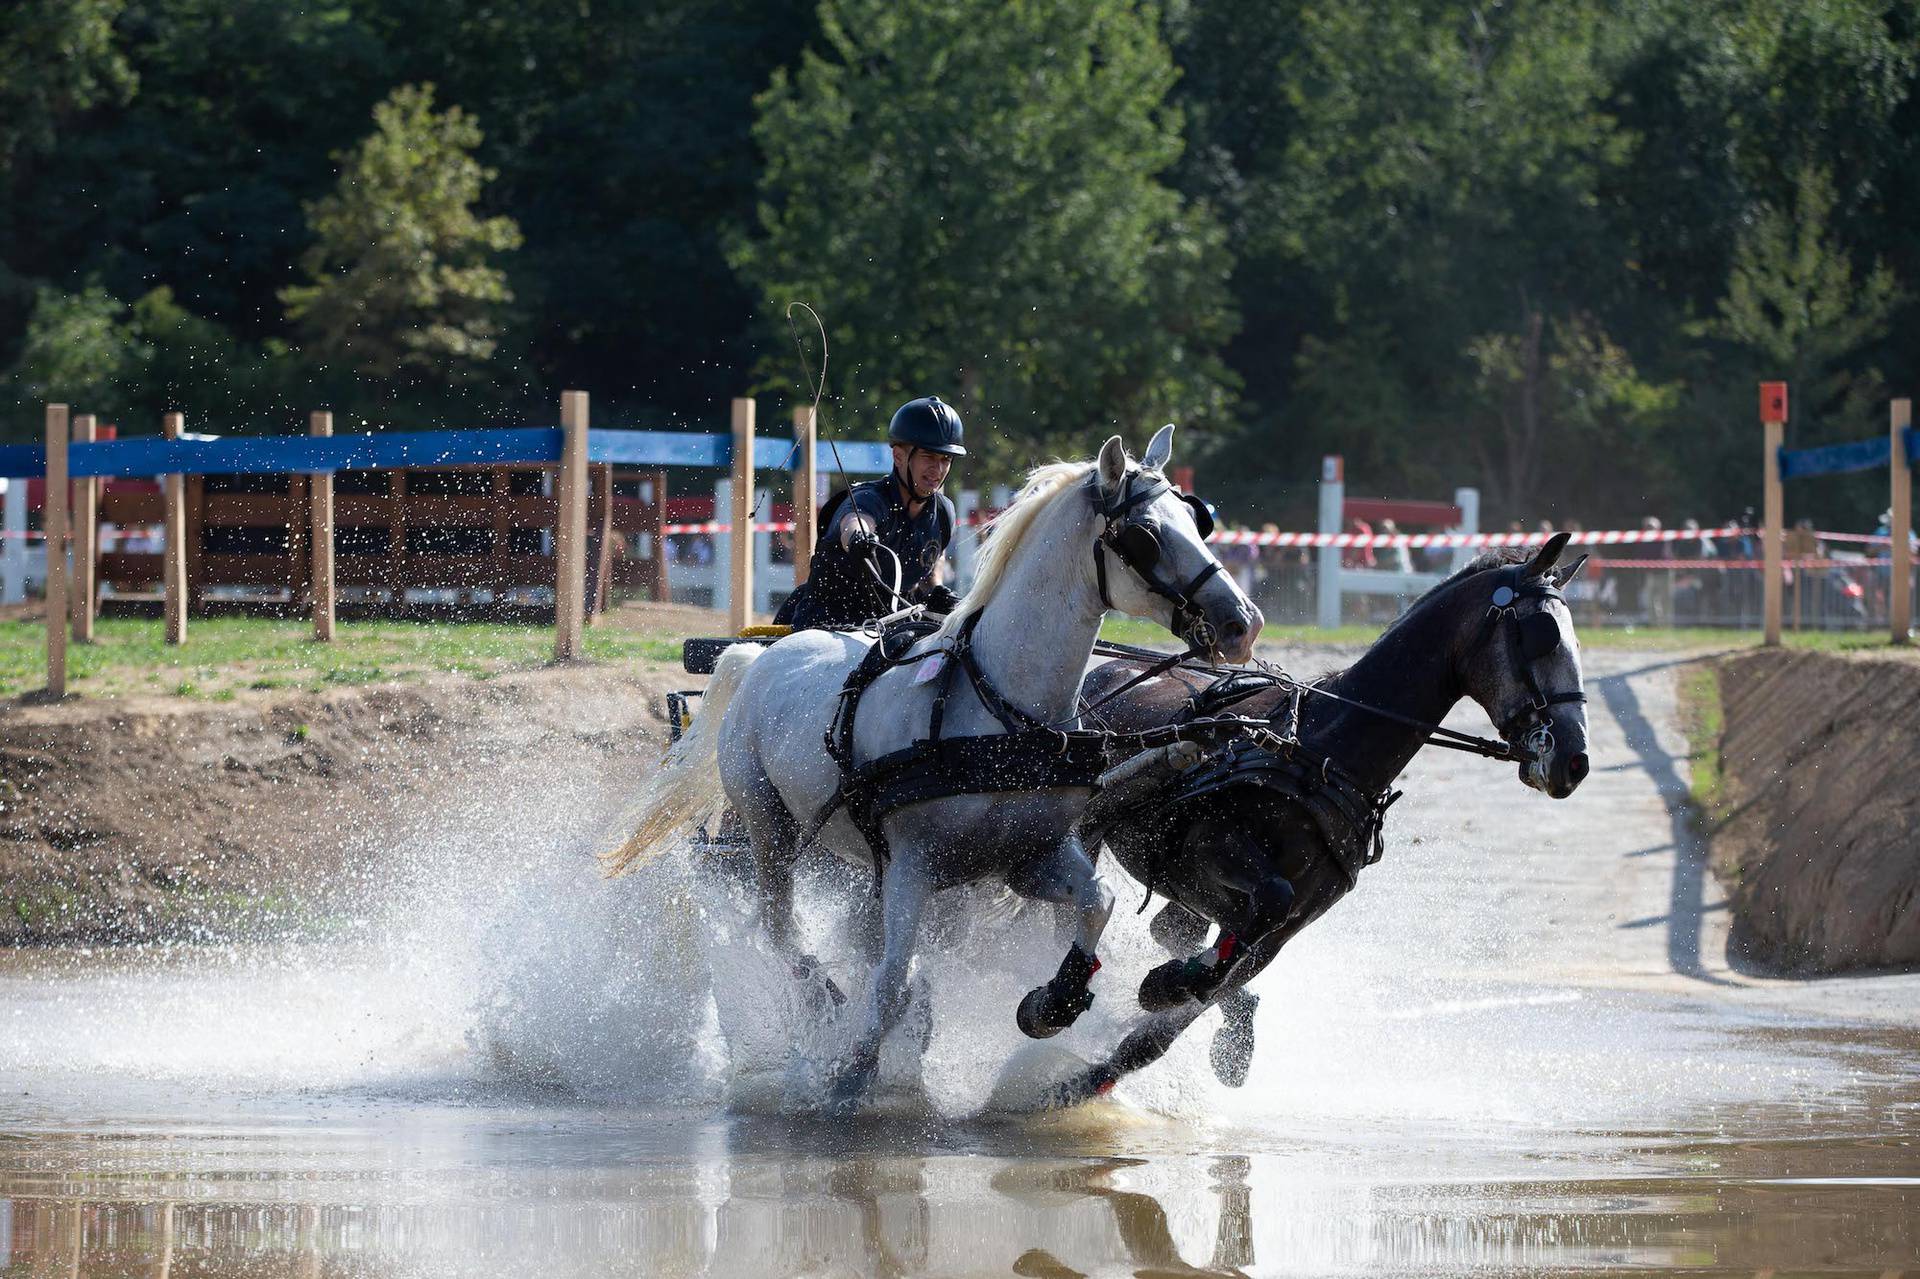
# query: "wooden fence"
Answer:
x=479 y=530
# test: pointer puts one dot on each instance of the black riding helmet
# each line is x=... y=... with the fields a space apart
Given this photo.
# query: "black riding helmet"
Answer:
x=927 y=424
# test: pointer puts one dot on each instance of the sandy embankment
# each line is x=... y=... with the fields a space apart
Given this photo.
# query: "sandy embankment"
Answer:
x=142 y=818
x=1821 y=848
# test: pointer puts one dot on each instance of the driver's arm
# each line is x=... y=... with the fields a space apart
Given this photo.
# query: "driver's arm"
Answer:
x=858 y=520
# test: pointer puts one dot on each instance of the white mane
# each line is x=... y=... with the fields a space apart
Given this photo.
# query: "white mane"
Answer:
x=1002 y=537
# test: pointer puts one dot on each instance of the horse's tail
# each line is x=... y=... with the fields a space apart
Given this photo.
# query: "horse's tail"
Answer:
x=688 y=782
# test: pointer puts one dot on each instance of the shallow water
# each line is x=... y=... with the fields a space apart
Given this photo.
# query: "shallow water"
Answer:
x=1517 y=1049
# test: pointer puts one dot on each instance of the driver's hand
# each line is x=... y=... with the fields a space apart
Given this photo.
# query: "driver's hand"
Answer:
x=863 y=543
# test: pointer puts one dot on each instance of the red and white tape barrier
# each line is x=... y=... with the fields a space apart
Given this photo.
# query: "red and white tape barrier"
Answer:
x=1247 y=537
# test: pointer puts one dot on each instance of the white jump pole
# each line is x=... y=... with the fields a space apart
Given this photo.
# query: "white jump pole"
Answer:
x=740 y=549
x=1333 y=501
x=13 y=542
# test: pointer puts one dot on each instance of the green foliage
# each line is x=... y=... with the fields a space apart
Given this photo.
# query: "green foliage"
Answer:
x=57 y=57
x=1793 y=302
x=1541 y=246
x=970 y=193
x=402 y=270
x=80 y=349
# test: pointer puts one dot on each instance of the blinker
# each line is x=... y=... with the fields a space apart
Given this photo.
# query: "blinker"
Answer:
x=1202 y=517
x=1539 y=635
x=1138 y=547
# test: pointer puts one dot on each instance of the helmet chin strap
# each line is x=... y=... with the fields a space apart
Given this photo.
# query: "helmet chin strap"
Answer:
x=913 y=490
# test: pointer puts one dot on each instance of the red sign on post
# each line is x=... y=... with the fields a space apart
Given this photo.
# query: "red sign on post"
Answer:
x=1773 y=402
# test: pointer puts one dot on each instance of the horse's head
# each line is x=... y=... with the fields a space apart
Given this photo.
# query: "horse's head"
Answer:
x=1161 y=570
x=1522 y=664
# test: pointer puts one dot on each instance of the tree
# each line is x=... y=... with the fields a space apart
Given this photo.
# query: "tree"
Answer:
x=1793 y=302
x=402 y=271
x=57 y=57
x=79 y=349
x=970 y=193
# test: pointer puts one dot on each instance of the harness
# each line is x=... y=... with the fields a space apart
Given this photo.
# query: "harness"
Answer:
x=1535 y=636
x=1135 y=546
x=1349 y=816
x=1030 y=754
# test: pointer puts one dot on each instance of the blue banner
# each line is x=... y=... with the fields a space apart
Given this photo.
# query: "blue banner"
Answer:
x=1836 y=459
x=1911 y=438
x=282 y=454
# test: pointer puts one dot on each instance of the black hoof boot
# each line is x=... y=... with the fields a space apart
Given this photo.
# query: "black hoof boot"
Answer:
x=1232 y=1052
x=1176 y=982
x=1047 y=1010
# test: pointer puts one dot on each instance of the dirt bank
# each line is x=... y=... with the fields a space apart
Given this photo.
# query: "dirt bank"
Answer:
x=1820 y=842
x=152 y=817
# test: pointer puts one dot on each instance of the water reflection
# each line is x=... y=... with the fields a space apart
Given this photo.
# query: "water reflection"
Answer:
x=480 y=1199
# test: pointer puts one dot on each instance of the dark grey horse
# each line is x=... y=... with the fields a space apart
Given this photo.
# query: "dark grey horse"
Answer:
x=1254 y=860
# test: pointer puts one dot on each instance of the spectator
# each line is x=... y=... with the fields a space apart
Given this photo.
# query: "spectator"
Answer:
x=1656 y=589
x=1393 y=558
x=1360 y=556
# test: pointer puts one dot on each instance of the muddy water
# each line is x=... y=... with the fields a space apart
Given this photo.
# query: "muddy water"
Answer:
x=1519 y=1048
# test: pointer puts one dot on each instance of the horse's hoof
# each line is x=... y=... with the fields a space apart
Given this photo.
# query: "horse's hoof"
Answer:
x=821 y=990
x=1172 y=984
x=1232 y=1050
x=847 y=1091
x=1043 y=1014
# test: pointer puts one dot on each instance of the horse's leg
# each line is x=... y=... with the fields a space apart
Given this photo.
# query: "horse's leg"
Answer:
x=1064 y=876
x=904 y=894
x=1179 y=931
x=776 y=847
x=1242 y=864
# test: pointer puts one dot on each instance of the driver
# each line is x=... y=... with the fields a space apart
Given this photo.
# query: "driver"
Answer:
x=905 y=513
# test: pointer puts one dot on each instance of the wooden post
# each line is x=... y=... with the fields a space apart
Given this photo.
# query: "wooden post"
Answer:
x=601 y=595
x=1773 y=418
x=174 y=580
x=570 y=529
x=321 y=424
x=86 y=538
x=806 y=491
x=740 y=602
x=1900 y=586
x=54 y=525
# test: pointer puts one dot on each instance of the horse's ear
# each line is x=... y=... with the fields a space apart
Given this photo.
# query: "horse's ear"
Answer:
x=1160 y=451
x=1548 y=555
x=1567 y=573
x=1112 y=464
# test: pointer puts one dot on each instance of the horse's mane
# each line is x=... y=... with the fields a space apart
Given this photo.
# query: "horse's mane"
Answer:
x=1498 y=557
x=1001 y=538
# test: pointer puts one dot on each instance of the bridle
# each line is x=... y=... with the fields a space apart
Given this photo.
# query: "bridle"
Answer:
x=1133 y=543
x=1535 y=637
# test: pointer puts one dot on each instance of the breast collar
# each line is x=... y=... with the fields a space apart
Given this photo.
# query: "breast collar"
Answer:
x=1135 y=546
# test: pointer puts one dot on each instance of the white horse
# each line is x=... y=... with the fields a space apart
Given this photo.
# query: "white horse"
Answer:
x=1080 y=539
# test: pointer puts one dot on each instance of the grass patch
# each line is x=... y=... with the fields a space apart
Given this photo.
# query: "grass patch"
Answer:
x=226 y=656
x=1704 y=719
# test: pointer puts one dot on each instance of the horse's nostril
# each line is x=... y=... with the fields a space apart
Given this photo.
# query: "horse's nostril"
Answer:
x=1577 y=768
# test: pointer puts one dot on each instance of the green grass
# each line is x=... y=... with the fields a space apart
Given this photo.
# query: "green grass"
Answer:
x=1704 y=719
x=226 y=656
